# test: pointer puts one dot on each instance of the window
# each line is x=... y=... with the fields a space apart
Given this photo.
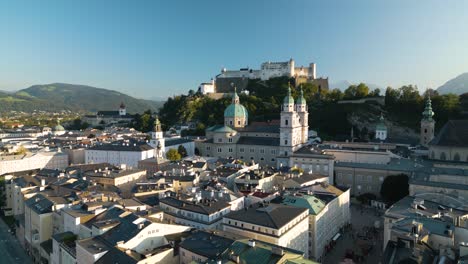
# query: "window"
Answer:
x=286 y=122
x=238 y=122
x=252 y=150
x=230 y=140
x=241 y=150
x=456 y=157
x=220 y=140
x=230 y=150
x=285 y=141
x=442 y=156
x=273 y=152
x=262 y=151
x=220 y=150
x=230 y=122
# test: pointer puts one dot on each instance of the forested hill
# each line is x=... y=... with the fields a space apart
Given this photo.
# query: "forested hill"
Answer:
x=80 y=98
x=402 y=109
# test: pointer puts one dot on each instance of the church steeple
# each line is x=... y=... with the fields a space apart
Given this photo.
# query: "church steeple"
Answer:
x=288 y=102
x=157 y=139
x=428 y=113
x=157 y=125
x=235 y=97
x=427 y=123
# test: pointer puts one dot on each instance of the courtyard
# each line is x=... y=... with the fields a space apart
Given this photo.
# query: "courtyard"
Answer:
x=362 y=243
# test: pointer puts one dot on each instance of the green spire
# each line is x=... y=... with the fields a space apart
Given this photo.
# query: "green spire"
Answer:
x=288 y=99
x=235 y=97
x=428 y=113
x=301 y=100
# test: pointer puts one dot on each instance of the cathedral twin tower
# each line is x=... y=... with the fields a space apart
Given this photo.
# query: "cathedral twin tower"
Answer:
x=294 y=128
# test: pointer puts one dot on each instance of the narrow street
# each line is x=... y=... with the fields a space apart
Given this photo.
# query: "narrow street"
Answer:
x=10 y=249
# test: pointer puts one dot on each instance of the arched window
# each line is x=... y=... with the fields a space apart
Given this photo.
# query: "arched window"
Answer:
x=442 y=156
x=456 y=157
x=286 y=122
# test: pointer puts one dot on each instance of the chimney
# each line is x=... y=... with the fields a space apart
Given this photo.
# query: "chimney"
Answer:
x=251 y=243
x=277 y=251
x=463 y=249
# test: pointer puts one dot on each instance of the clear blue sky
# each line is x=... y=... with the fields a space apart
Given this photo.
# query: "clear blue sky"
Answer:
x=161 y=48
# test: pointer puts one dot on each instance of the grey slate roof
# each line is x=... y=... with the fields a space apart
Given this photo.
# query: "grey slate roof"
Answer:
x=119 y=147
x=263 y=141
x=176 y=141
x=206 y=244
x=273 y=216
x=454 y=133
x=261 y=128
x=200 y=208
x=40 y=204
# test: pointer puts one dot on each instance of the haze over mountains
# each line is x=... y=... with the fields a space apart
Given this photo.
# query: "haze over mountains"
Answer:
x=62 y=96
x=457 y=85
x=343 y=85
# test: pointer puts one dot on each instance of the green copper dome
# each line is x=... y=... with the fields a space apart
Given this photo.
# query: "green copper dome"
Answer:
x=236 y=110
x=288 y=99
x=428 y=113
x=301 y=100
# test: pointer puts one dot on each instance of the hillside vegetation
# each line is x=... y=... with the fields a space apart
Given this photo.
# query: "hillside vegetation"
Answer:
x=80 y=98
x=402 y=110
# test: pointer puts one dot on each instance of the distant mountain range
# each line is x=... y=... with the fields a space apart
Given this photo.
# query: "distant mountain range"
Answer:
x=457 y=85
x=343 y=85
x=81 y=98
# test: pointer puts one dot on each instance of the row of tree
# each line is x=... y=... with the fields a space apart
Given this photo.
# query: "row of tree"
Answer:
x=263 y=100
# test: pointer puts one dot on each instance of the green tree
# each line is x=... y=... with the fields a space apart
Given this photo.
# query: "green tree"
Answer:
x=362 y=90
x=391 y=96
x=182 y=151
x=375 y=93
x=335 y=95
x=173 y=155
x=394 y=188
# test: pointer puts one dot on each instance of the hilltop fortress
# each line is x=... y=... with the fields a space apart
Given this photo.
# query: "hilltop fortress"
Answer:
x=225 y=81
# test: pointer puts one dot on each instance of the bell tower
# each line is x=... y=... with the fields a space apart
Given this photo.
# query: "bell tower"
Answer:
x=157 y=139
x=427 y=124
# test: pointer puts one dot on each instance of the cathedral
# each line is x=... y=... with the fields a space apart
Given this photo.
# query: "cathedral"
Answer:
x=271 y=144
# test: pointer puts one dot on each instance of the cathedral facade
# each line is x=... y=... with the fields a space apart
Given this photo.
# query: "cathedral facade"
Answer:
x=279 y=143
